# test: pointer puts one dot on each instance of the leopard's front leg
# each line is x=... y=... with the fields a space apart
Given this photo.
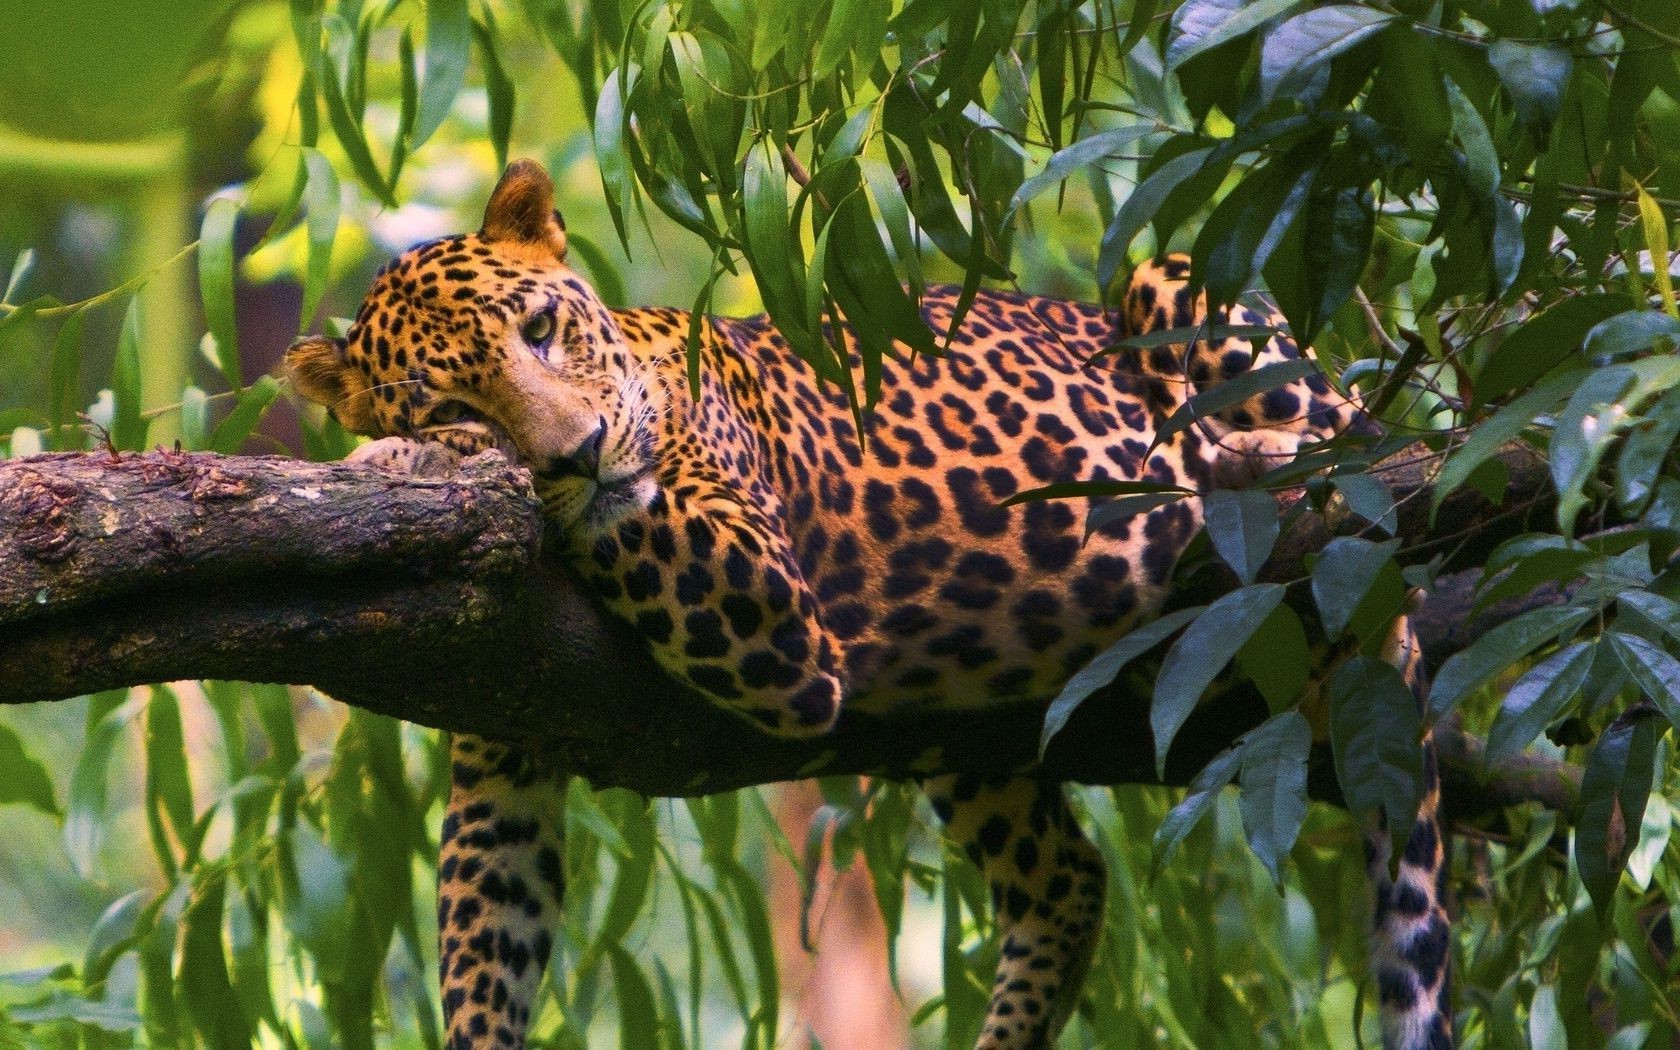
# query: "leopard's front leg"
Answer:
x=501 y=863
x=710 y=582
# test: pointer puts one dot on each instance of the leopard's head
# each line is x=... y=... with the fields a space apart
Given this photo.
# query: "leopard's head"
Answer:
x=489 y=339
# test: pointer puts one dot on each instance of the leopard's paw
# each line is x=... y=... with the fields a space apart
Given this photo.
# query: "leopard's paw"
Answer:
x=402 y=455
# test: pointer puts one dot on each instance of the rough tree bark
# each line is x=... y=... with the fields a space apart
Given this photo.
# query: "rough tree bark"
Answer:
x=429 y=599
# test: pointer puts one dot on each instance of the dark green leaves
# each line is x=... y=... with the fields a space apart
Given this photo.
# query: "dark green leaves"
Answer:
x=1109 y=663
x=1298 y=48
x=215 y=282
x=1202 y=25
x=1243 y=525
x=1204 y=791
x=1206 y=646
x=1534 y=76
x=1498 y=650
x=1614 y=791
x=1343 y=576
x=1537 y=699
x=1375 y=736
x=1274 y=787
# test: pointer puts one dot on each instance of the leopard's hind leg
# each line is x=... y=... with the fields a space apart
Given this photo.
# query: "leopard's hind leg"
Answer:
x=1047 y=884
x=500 y=887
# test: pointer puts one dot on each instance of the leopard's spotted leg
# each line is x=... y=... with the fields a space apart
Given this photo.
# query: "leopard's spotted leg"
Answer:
x=1411 y=938
x=1047 y=884
x=500 y=887
x=500 y=875
x=710 y=581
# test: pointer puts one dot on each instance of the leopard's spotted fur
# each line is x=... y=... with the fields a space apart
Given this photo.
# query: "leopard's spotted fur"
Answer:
x=783 y=568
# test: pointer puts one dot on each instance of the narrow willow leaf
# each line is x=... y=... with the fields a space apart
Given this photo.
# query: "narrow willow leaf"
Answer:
x=1233 y=392
x=1537 y=699
x=1140 y=206
x=498 y=88
x=216 y=282
x=1631 y=333
x=1093 y=488
x=84 y=820
x=322 y=207
x=209 y=992
x=1274 y=787
x=1198 y=801
x=448 y=47
x=1126 y=507
x=168 y=790
x=253 y=402
x=1106 y=666
x=128 y=425
x=1656 y=242
x=1343 y=575
x=1081 y=154
x=1243 y=526
x=1198 y=656
x=638 y=1016
x=1211 y=333
x=21 y=267
x=22 y=777
x=1498 y=650
x=66 y=383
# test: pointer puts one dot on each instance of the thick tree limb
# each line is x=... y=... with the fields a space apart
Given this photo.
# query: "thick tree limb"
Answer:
x=428 y=599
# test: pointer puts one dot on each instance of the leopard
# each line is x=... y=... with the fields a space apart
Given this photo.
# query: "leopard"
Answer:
x=790 y=559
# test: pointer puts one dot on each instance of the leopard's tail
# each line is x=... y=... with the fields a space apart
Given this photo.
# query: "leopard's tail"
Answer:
x=1411 y=940
x=500 y=885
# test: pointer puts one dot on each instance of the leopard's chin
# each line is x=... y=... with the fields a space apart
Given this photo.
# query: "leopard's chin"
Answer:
x=588 y=506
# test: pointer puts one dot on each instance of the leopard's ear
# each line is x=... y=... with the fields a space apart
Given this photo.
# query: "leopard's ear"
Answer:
x=320 y=370
x=521 y=210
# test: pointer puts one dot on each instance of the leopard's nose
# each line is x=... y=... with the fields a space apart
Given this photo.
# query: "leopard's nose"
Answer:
x=583 y=461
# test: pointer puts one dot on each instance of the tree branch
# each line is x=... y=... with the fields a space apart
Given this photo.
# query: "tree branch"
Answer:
x=429 y=599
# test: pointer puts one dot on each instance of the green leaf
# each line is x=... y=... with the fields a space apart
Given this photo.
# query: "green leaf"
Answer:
x=1645 y=450
x=1233 y=392
x=1126 y=507
x=1343 y=575
x=498 y=89
x=1198 y=656
x=66 y=382
x=1542 y=342
x=1499 y=650
x=1106 y=666
x=1243 y=526
x=1276 y=658
x=1368 y=497
x=448 y=47
x=1337 y=229
x=1081 y=154
x=322 y=204
x=21 y=268
x=168 y=791
x=1534 y=76
x=1614 y=790
x=1537 y=699
x=1630 y=333
x=1198 y=801
x=1654 y=670
x=22 y=777
x=84 y=821
x=316 y=901
x=208 y=992
x=128 y=426
x=1140 y=206
x=1584 y=430
x=230 y=434
x=1211 y=333
x=638 y=1017
x=1376 y=740
x=348 y=130
x=1490 y=436
x=1295 y=50
x=1274 y=787
x=216 y=280
x=1651 y=217
x=1202 y=25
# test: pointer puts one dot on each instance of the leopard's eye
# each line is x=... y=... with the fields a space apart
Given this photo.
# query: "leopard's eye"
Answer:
x=539 y=330
x=447 y=412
